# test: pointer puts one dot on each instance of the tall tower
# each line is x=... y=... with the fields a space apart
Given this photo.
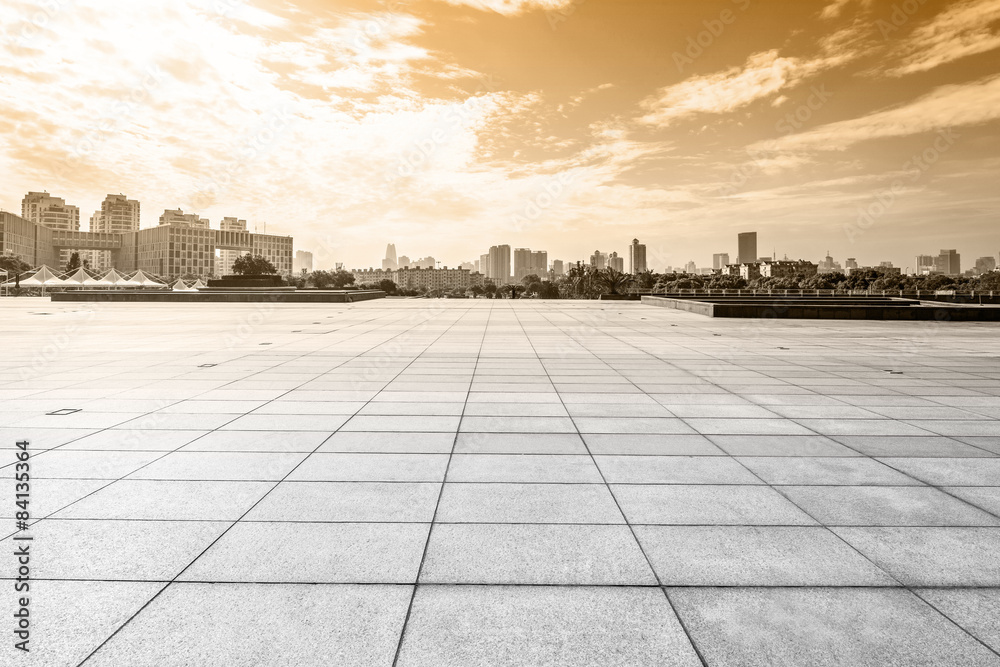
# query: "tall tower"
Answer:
x=118 y=215
x=390 y=263
x=747 y=244
x=45 y=210
x=500 y=264
x=636 y=257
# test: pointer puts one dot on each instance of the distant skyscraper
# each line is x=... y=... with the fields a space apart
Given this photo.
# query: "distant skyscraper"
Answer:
x=557 y=267
x=390 y=263
x=747 y=245
x=636 y=257
x=522 y=263
x=691 y=267
x=720 y=260
x=404 y=262
x=540 y=263
x=484 y=265
x=985 y=265
x=949 y=262
x=228 y=257
x=851 y=264
x=179 y=217
x=500 y=264
x=45 y=210
x=615 y=262
x=599 y=260
x=303 y=262
x=923 y=264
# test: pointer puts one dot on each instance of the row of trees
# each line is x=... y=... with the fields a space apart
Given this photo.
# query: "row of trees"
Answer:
x=872 y=279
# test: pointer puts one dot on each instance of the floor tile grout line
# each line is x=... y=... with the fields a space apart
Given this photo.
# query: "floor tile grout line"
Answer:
x=437 y=504
x=635 y=538
x=186 y=567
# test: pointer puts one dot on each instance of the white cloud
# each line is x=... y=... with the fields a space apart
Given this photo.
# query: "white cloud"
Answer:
x=764 y=75
x=961 y=30
x=950 y=106
x=514 y=7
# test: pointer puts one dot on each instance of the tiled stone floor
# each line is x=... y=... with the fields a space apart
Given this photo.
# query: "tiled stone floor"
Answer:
x=501 y=483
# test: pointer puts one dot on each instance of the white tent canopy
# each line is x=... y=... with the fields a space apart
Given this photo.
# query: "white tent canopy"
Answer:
x=81 y=277
x=142 y=280
x=181 y=286
x=111 y=278
x=43 y=277
x=198 y=284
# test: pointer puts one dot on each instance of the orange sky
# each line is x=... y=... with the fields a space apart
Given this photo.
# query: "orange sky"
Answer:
x=447 y=126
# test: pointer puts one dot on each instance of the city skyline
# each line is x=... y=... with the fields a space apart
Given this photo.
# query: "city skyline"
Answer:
x=119 y=213
x=848 y=125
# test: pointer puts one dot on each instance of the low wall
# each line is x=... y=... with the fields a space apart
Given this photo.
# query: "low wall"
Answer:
x=841 y=309
x=216 y=296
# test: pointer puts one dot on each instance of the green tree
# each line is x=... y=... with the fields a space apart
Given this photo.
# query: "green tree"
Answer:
x=613 y=280
x=74 y=262
x=253 y=265
x=387 y=286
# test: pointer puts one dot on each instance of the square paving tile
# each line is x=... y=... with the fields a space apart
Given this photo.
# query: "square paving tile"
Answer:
x=553 y=626
x=825 y=471
x=69 y=619
x=952 y=556
x=169 y=500
x=243 y=466
x=528 y=503
x=358 y=467
x=535 y=554
x=822 y=627
x=359 y=553
x=707 y=505
x=235 y=623
x=886 y=506
x=118 y=550
x=348 y=501
x=523 y=468
x=755 y=556
x=674 y=470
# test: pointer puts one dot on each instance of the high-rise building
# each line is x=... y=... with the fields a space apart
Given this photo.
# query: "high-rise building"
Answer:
x=390 y=263
x=636 y=257
x=985 y=265
x=599 y=260
x=228 y=257
x=500 y=264
x=179 y=217
x=539 y=263
x=691 y=267
x=720 y=260
x=851 y=264
x=44 y=210
x=949 y=262
x=747 y=245
x=303 y=262
x=404 y=262
x=468 y=266
x=557 y=267
x=522 y=263
x=615 y=262
x=484 y=265
x=118 y=215
x=923 y=264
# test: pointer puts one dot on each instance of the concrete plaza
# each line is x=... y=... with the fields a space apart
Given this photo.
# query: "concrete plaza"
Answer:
x=472 y=482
